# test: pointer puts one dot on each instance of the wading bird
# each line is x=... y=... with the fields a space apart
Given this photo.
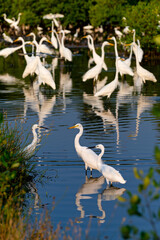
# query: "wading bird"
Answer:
x=110 y=173
x=96 y=57
x=96 y=70
x=142 y=72
x=122 y=66
x=109 y=88
x=29 y=150
x=87 y=155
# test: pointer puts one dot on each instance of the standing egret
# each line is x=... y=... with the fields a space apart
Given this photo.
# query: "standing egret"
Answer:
x=64 y=51
x=96 y=57
x=142 y=72
x=122 y=67
x=118 y=33
x=138 y=49
x=27 y=58
x=8 y=20
x=96 y=70
x=128 y=60
x=14 y=24
x=87 y=155
x=108 y=89
x=54 y=37
x=110 y=173
x=29 y=150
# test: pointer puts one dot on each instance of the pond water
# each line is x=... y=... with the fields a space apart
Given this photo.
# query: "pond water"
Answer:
x=124 y=124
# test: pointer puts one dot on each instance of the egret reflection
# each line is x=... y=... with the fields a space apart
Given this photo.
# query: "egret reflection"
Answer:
x=91 y=189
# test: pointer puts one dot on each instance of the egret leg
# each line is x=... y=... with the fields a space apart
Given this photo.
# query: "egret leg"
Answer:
x=91 y=172
x=107 y=181
x=86 y=171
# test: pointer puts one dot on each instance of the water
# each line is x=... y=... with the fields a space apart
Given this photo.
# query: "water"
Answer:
x=124 y=124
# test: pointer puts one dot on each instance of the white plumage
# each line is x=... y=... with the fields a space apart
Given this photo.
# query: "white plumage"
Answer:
x=87 y=155
x=110 y=173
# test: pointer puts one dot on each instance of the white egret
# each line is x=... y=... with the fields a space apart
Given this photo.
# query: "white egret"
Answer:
x=7 y=38
x=142 y=72
x=42 y=47
x=128 y=60
x=139 y=50
x=118 y=33
x=96 y=70
x=122 y=67
x=8 y=20
x=29 y=150
x=96 y=57
x=87 y=155
x=54 y=37
x=14 y=24
x=65 y=52
x=108 y=89
x=7 y=51
x=27 y=58
x=110 y=173
x=126 y=30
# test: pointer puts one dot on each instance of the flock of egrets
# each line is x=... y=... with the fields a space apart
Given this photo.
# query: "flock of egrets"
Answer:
x=34 y=65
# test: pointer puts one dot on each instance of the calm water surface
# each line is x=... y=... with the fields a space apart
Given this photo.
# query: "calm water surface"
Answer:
x=124 y=125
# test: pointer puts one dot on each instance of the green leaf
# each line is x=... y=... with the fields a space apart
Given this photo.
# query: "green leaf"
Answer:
x=146 y=182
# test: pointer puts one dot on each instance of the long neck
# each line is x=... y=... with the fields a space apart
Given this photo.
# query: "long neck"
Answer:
x=136 y=53
x=102 y=49
x=62 y=41
x=130 y=56
x=115 y=47
x=35 y=138
x=117 y=71
x=76 y=141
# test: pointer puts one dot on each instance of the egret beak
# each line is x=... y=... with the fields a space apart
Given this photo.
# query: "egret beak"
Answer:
x=111 y=44
x=16 y=40
x=43 y=127
x=84 y=37
x=28 y=35
x=109 y=38
x=49 y=41
x=72 y=127
x=128 y=44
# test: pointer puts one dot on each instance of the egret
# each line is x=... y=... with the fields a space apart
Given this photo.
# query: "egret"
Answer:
x=108 y=89
x=87 y=155
x=65 y=52
x=29 y=150
x=128 y=60
x=110 y=173
x=8 y=20
x=14 y=24
x=7 y=38
x=42 y=47
x=96 y=70
x=118 y=33
x=122 y=66
x=7 y=51
x=142 y=72
x=53 y=37
x=27 y=58
x=139 y=49
x=96 y=57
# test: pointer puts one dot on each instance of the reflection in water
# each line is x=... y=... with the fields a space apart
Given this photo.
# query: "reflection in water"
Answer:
x=106 y=115
x=90 y=187
x=93 y=186
x=144 y=103
x=38 y=102
x=65 y=86
x=108 y=194
x=7 y=79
